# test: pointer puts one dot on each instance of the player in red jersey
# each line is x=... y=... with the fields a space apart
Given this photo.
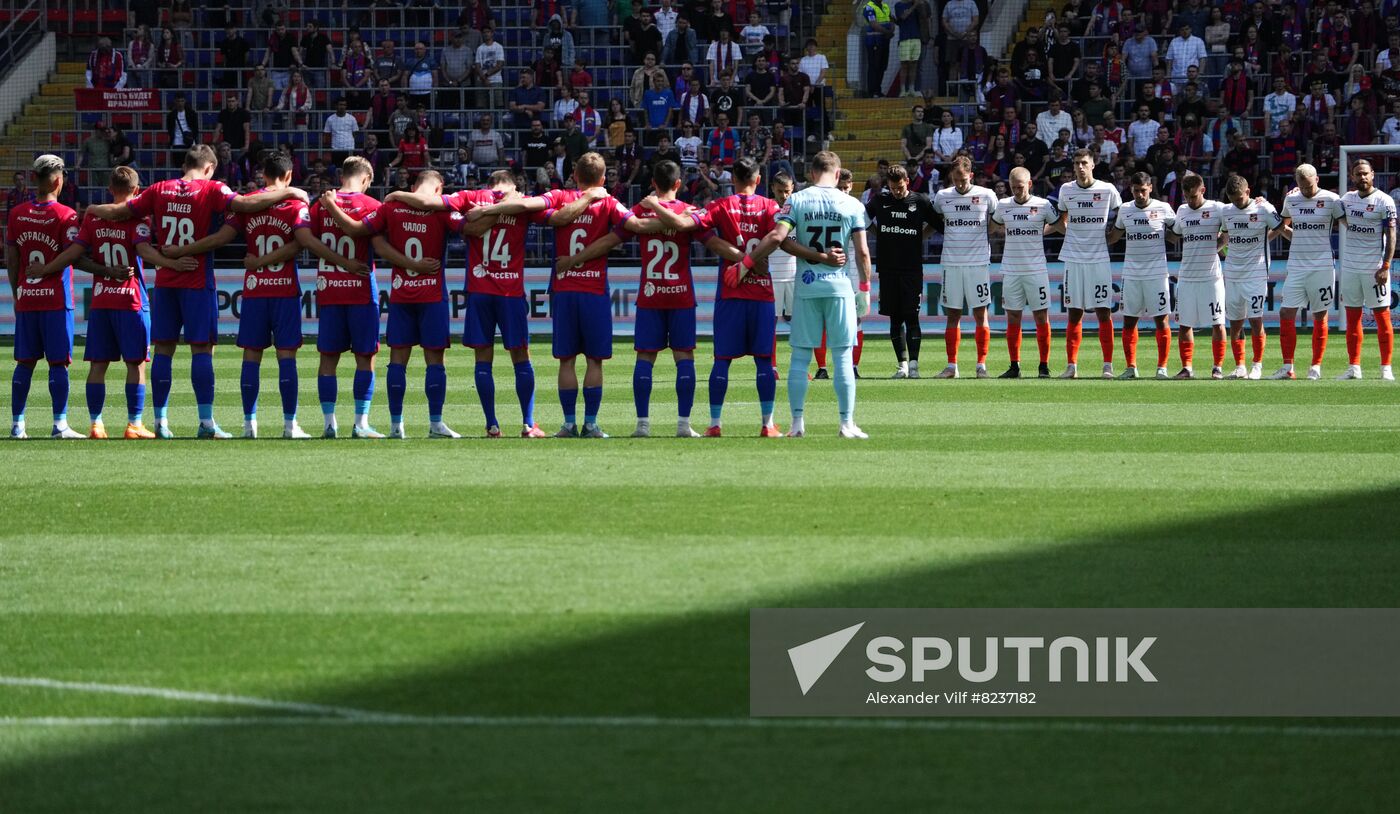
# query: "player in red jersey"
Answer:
x=579 y=302
x=181 y=212
x=496 y=298
x=119 y=319
x=745 y=320
x=347 y=297
x=415 y=242
x=666 y=298
x=36 y=233
x=271 y=299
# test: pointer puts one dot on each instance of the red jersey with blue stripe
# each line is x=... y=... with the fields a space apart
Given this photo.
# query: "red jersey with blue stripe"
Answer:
x=265 y=232
x=114 y=244
x=182 y=212
x=334 y=285
x=417 y=234
x=742 y=220
x=496 y=260
x=41 y=231
x=601 y=217
x=666 y=281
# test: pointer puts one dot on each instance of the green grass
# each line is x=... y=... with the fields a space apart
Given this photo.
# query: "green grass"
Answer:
x=566 y=579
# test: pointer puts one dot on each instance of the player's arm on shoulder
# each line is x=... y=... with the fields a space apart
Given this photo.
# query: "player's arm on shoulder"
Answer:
x=425 y=266
x=156 y=257
x=570 y=212
x=276 y=257
x=479 y=227
x=204 y=245
x=309 y=242
x=417 y=200
x=596 y=249
x=511 y=206
x=111 y=211
x=347 y=224
x=676 y=221
x=258 y=201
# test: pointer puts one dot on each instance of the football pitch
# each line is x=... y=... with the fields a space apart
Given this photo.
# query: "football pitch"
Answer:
x=562 y=625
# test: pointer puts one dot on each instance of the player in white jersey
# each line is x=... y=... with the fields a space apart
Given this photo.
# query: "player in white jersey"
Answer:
x=782 y=267
x=967 y=258
x=1308 y=213
x=1086 y=210
x=1200 y=289
x=1368 y=246
x=1025 y=283
x=1146 y=223
x=1249 y=226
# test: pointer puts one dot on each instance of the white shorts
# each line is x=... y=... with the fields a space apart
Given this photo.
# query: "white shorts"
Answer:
x=1022 y=291
x=1088 y=286
x=966 y=287
x=1362 y=291
x=1200 y=303
x=782 y=296
x=1309 y=289
x=1147 y=298
x=1245 y=299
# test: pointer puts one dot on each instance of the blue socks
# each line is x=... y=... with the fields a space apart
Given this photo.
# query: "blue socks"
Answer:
x=160 y=384
x=58 y=391
x=364 y=391
x=397 y=386
x=568 y=399
x=797 y=379
x=202 y=377
x=592 y=400
x=843 y=376
x=326 y=388
x=486 y=391
x=96 y=397
x=525 y=391
x=685 y=387
x=135 y=402
x=19 y=390
x=287 y=386
x=767 y=384
x=641 y=388
x=719 y=385
x=249 y=382
x=435 y=387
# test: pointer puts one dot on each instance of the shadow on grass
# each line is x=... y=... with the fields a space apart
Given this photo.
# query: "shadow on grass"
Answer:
x=1337 y=550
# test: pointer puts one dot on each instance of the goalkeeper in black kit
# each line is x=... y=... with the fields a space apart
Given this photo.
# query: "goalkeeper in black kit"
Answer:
x=901 y=221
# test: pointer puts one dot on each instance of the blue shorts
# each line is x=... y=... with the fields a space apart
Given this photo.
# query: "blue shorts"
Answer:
x=114 y=335
x=744 y=328
x=44 y=335
x=660 y=328
x=425 y=324
x=487 y=312
x=196 y=310
x=834 y=316
x=272 y=321
x=349 y=327
x=582 y=324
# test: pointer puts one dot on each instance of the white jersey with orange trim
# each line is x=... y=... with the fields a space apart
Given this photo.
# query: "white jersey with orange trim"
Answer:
x=1145 y=238
x=1363 y=237
x=1199 y=230
x=1311 y=247
x=965 y=216
x=1023 y=251
x=1088 y=209
x=1247 y=231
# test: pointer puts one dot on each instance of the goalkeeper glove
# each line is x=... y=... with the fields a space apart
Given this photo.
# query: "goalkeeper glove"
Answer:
x=863 y=301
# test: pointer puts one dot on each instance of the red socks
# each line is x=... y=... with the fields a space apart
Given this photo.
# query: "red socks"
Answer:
x=1237 y=350
x=952 y=337
x=1188 y=350
x=1106 y=340
x=860 y=346
x=1042 y=341
x=1130 y=338
x=1217 y=351
x=983 y=336
x=1385 y=334
x=1074 y=334
x=1164 y=346
x=1354 y=333
x=1257 y=339
x=820 y=353
x=1319 y=338
x=1288 y=339
x=1013 y=340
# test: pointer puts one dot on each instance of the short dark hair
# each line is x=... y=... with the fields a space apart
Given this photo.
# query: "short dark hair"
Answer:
x=665 y=175
x=1140 y=179
x=276 y=165
x=745 y=170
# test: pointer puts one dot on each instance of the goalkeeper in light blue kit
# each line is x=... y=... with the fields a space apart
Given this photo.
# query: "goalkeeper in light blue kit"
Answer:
x=823 y=218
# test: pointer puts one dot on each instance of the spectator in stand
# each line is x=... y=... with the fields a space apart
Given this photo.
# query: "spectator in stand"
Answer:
x=558 y=37
x=535 y=150
x=1035 y=151
x=181 y=18
x=1082 y=132
x=1284 y=150
x=227 y=170
x=297 y=100
x=1185 y=50
x=722 y=142
x=753 y=35
x=1064 y=59
x=170 y=58
x=726 y=98
x=1142 y=133
x=681 y=44
x=1051 y=121
x=414 y=155
x=643 y=79
x=181 y=129
x=491 y=64
x=260 y=97
x=1003 y=93
x=574 y=141
x=617 y=122
x=760 y=86
x=374 y=155
x=1239 y=158
x=917 y=136
x=549 y=71
x=660 y=106
x=420 y=76
x=710 y=24
x=1359 y=126
x=106 y=66
x=340 y=130
x=590 y=122
x=794 y=94
x=1219 y=129
x=628 y=156
x=1190 y=104
x=946 y=141
x=877 y=19
x=1358 y=85
x=387 y=65
x=1390 y=56
x=527 y=101
x=122 y=155
x=644 y=37
x=779 y=152
x=976 y=141
x=1192 y=145
x=755 y=143
x=960 y=18
x=1010 y=126
x=317 y=53
x=908 y=18
x=1031 y=42
x=689 y=146
x=723 y=55
x=357 y=76
x=487 y=146
x=579 y=77
x=95 y=156
x=1390 y=128
x=455 y=68
x=381 y=110
x=141 y=57
x=1319 y=109
x=565 y=105
x=234 y=125
x=282 y=55
x=1236 y=90
x=1140 y=54
x=815 y=65
x=1032 y=83
x=693 y=104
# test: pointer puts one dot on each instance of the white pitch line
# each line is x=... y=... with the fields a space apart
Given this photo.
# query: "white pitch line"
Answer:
x=643 y=722
x=180 y=695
